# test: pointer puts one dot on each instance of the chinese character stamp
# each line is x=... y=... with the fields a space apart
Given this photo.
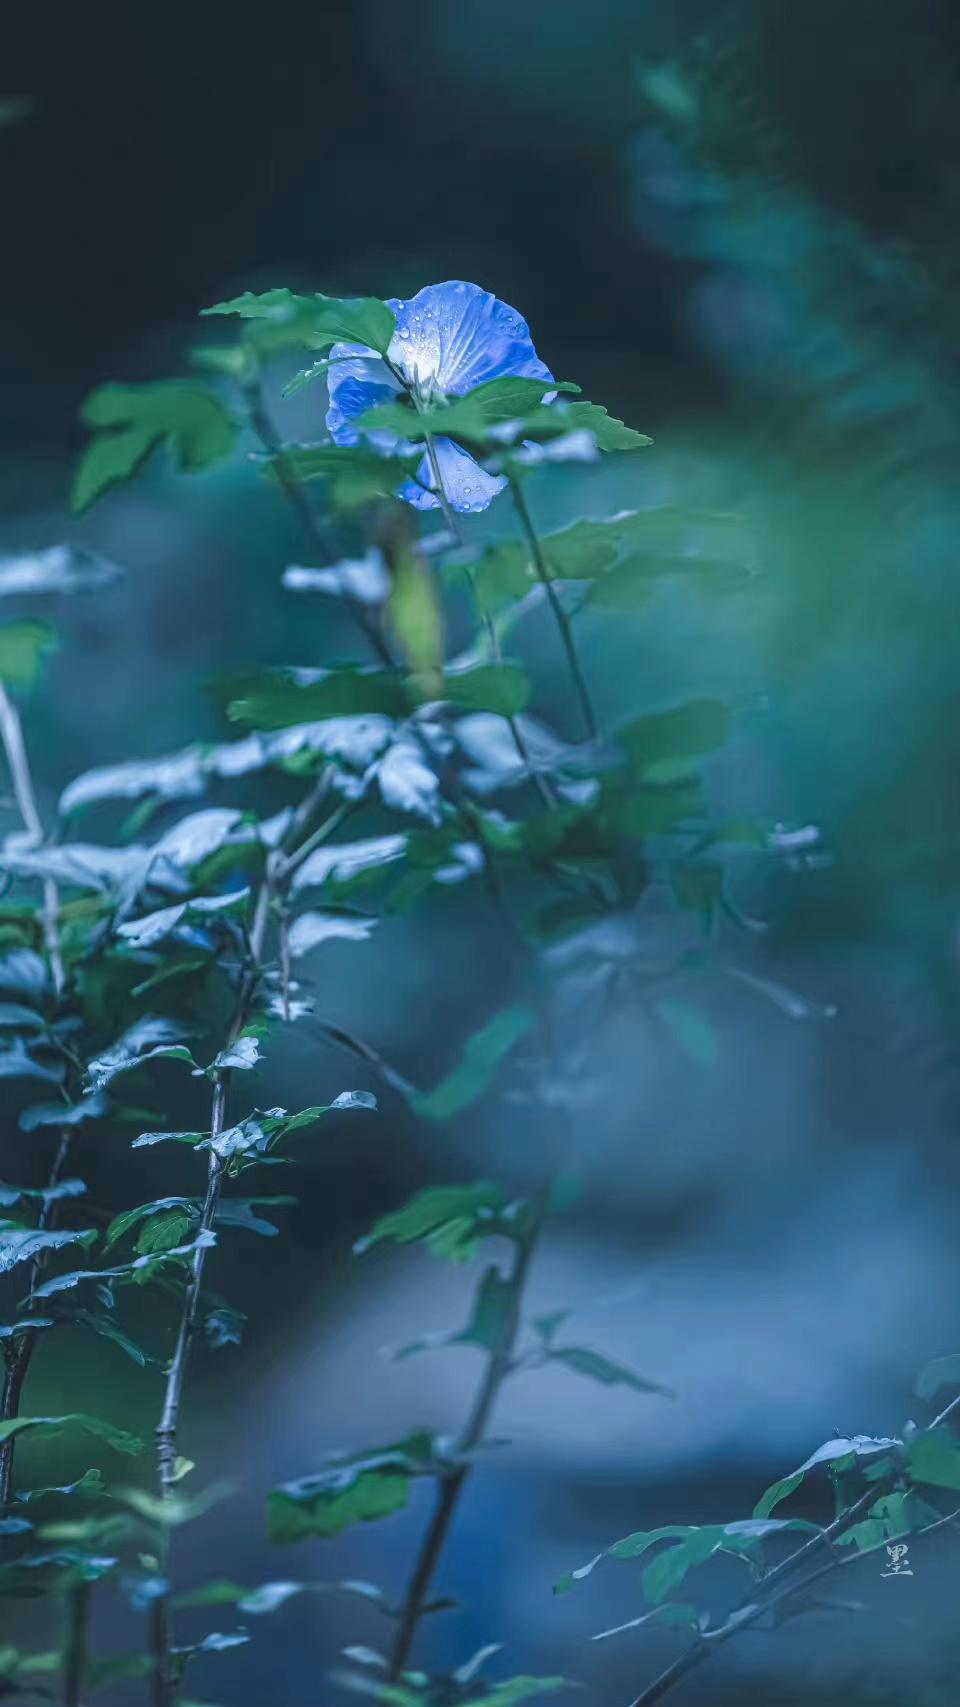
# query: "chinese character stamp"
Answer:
x=899 y=1567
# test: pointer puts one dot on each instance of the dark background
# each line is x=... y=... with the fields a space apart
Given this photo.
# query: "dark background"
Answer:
x=762 y=275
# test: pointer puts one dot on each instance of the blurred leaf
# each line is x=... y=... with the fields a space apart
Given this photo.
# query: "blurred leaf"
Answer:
x=118 y=1438
x=131 y=420
x=88 y=1486
x=451 y=1220
x=588 y=549
x=941 y=1372
x=23 y=646
x=604 y=1370
x=55 y=569
x=358 y=1489
x=357 y=476
x=935 y=1459
x=663 y=738
x=482 y=1055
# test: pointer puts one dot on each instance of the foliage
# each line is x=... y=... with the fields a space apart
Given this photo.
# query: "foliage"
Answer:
x=156 y=967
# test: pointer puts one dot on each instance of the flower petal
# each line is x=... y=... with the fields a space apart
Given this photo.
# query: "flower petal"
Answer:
x=465 y=484
x=352 y=387
x=455 y=336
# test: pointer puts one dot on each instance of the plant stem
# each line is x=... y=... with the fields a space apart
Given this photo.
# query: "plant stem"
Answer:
x=11 y=735
x=560 y=615
x=18 y=1352
x=751 y=1609
x=164 y=1673
x=76 y=1645
x=499 y=1364
x=292 y=489
x=746 y=1616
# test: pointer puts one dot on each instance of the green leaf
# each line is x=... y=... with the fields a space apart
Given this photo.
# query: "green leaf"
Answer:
x=469 y=417
x=23 y=1244
x=357 y=475
x=358 y=1489
x=604 y=1370
x=23 y=646
x=451 y=1220
x=658 y=743
x=551 y=420
x=590 y=548
x=778 y=1491
x=100 y=1322
x=317 y=321
x=131 y=420
x=503 y=688
x=494 y=1307
x=935 y=1459
x=89 y=1486
x=118 y=1438
x=278 y=699
x=482 y=1055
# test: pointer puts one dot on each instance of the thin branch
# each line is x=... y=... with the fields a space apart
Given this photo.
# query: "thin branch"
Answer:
x=76 y=1652
x=746 y=1616
x=750 y=1609
x=499 y=1365
x=11 y=735
x=18 y=1352
x=562 y=620
x=292 y=489
x=165 y=1679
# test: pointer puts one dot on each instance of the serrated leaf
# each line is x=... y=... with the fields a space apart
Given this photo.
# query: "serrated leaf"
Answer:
x=482 y=1055
x=358 y=1489
x=23 y=1244
x=450 y=1220
x=935 y=1459
x=118 y=1438
x=316 y=320
x=131 y=420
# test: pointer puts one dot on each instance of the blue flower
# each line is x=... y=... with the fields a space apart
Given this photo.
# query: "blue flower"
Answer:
x=449 y=338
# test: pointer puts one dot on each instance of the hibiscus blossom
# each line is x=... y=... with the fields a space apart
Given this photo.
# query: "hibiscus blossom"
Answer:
x=449 y=338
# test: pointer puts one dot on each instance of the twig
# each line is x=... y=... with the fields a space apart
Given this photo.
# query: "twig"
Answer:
x=745 y=1616
x=76 y=1646
x=499 y=1365
x=11 y=735
x=164 y=1669
x=562 y=620
x=18 y=1352
x=750 y=1610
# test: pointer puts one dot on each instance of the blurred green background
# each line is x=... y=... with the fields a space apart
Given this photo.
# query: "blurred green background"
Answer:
x=736 y=226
